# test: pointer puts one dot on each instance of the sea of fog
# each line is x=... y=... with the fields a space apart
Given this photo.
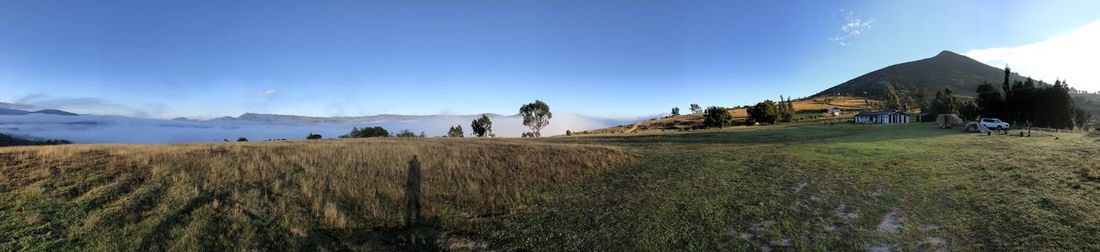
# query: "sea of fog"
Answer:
x=118 y=129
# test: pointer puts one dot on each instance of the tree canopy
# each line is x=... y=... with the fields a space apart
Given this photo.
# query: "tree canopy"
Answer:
x=455 y=131
x=766 y=111
x=367 y=132
x=482 y=126
x=536 y=115
x=716 y=117
x=1041 y=104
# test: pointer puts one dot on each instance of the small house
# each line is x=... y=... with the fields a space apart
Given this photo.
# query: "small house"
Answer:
x=882 y=117
x=835 y=111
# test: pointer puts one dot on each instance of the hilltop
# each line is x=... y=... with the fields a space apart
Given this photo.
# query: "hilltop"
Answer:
x=945 y=70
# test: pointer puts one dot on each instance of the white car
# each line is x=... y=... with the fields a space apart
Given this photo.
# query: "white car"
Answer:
x=994 y=123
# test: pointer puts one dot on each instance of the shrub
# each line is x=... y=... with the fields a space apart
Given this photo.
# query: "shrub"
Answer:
x=406 y=133
x=313 y=136
x=242 y=139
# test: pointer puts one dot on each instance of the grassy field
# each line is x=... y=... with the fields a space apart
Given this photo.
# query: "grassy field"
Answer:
x=337 y=195
x=801 y=186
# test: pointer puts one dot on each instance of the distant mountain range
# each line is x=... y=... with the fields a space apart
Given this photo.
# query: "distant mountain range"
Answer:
x=295 y=119
x=8 y=111
x=946 y=70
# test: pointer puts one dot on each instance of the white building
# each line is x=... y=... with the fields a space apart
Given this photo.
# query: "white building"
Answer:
x=882 y=117
x=835 y=111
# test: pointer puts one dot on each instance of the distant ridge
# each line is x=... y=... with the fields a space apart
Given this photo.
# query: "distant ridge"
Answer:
x=945 y=70
x=294 y=119
x=54 y=112
x=8 y=111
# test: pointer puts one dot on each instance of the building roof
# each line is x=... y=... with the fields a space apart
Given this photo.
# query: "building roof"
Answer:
x=880 y=113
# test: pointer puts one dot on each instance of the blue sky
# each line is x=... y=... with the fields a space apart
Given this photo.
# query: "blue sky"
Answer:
x=206 y=59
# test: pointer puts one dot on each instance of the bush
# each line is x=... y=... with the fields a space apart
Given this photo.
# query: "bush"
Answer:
x=406 y=133
x=367 y=132
x=242 y=139
x=313 y=136
x=716 y=117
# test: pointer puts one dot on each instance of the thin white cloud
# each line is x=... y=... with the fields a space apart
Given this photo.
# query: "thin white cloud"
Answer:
x=852 y=27
x=1069 y=56
x=268 y=93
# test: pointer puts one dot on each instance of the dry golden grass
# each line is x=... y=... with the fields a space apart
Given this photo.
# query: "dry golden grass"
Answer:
x=275 y=195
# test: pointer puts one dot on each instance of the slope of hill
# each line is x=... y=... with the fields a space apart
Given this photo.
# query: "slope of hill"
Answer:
x=54 y=112
x=946 y=70
x=809 y=109
x=10 y=111
x=8 y=140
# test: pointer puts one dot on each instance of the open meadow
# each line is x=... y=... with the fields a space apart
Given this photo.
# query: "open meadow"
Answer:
x=798 y=186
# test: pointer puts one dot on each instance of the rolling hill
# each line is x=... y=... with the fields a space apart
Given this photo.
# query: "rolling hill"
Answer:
x=945 y=70
x=9 y=111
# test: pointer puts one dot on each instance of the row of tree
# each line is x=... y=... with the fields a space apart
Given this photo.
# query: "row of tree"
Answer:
x=695 y=109
x=8 y=140
x=766 y=112
x=482 y=127
x=536 y=116
x=1041 y=104
x=1019 y=102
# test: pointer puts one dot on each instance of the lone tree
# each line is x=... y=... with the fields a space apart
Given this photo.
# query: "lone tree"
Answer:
x=536 y=115
x=695 y=108
x=716 y=117
x=675 y=111
x=482 y=126
x=455 y=131
x=313 y=136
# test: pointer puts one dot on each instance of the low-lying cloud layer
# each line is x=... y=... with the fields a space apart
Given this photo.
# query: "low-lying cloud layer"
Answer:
x=118 y=129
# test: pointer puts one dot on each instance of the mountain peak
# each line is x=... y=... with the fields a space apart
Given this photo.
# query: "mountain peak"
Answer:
x=948 y=54
x=945 y=70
